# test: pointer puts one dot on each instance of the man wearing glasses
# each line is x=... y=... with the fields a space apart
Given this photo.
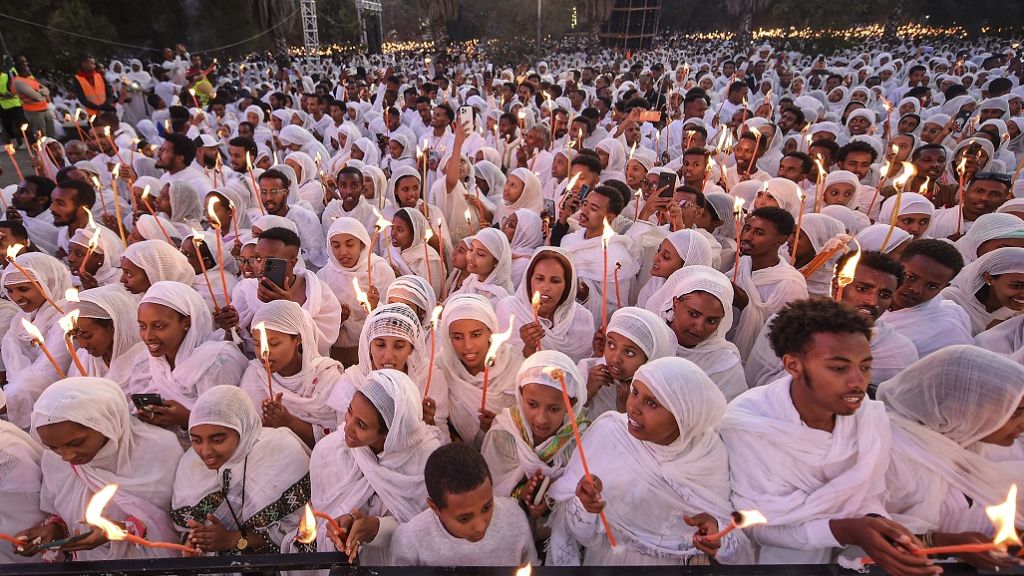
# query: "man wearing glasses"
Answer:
x=275 y=188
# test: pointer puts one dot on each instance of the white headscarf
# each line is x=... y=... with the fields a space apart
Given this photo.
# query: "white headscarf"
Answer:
x=497 y=284
x=823 y=232
x=531 y=198
x=529 y=236
x=201 y=361
x=413 y=260
x=988 y=227
x=416 y=290
x=138 y=457
x=965 y=286
x=109 y=245
x=160 y=261
x=128 y=356
x=691 y=246
x=871 y=238
x=940 y=408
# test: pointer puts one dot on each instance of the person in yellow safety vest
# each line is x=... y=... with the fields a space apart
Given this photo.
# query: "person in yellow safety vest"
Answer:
x=35 y=100
x=11 y=114
x=92 y=89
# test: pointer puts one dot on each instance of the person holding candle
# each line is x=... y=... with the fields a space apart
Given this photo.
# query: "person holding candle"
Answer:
x=872 y=237
x=532 y=441
x=280 y=197
x=635 y=336
x=69 y=203
x=489 y=263
x=20 y=485
x=185 y=357
x=719 y=220
x=525 y=232
x=351 y=260
x=679 y=249
x=809 y=450
x=667 y=443
x=370 y=478
x=416 y=293
x=917 y=311
x=181 y=202
x=820 y=235
x=30 y=206
x=781 y=193
x=560 y=323
x=747 y=151
x=467 y=327
x=843 y=188
x=302 y=379
x=307 y=178
x=522 y=189
x=944 y=410
x=37 y=288
x=459 y=272
x=467 y=523
x=990 y=289
x=242 y=486
x=92 y=441
x=208 y=272
x=150 y=261
x=99 y=265
x=108 y=334
x=410 y=254
x=983 y=194
x=231 y=210
x=765 y=282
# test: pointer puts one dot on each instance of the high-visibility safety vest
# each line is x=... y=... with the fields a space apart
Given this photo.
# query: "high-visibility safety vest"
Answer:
x=39 y=106
x=8 y=102
x=95 y=92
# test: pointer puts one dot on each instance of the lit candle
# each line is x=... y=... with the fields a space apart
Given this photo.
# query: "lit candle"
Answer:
x=737 y=212
x=799 y=227
x=265 y=355
x=440 y=245
x=757 y=146
x=199 y=238
x=361 y=296
x=215 y=222
x=90 y=247
x=117 y=204
x=192 y=93
x=560 y=376
x=10 y=153
x=106 y=132
x=962 y=169
x=900 y=183
x=492 y=352
x=381 y=224
x=740 y=519
x=149 y=206
x=535 y=302
x=427 y=235
x=94 y=517
x=881 y=183
x=845 y=276
x=819 y=188
x=255 y=186
x=68 y=323
x=606 y=235
x=12 y=254
x=24 y=136
x=37 y=340
x=434 y=317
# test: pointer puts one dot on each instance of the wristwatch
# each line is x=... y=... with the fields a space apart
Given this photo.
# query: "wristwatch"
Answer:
x=242 y=543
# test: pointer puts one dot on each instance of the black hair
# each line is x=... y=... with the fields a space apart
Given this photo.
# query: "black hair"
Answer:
x=283 y=235
x=623 y=189
x=796 y=111
x=244 y=142
x=876 y=261
x=953 y=91
x=85 y=194
x=916 y=68
x=833 y=148
x=454 y=469
x=694 y=128
x=856 y=146
x=351 y=170
x=404 y=215
x=737 y=85
x=593 y=163
x=697 y=151
x=448 y=111
x=1000 y=86
x=694 y=94
x=44 y=186
x=782 y=219
x=926 y=147
x=19 y=231
x=941 y=251
x=276 y=174
x=615 y=203
x=183 y=146
x=798 y=322
x=699 y=199
x=806 y=164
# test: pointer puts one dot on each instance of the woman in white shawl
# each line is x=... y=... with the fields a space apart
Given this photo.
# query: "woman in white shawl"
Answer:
x=28 y=370
x=370 y=478
x=843 y=188
x=943 y=409
x=207 y=281
x=533 y=439
x=302 y=379
x=991 y=231
x=107 y=332
x=150 y=261
x=914 y=214
x=307 y=178
x=872 y=237
x=298 y=139
x=666 y=446
x=103 y=265
x=239 y=480
x=819 y=234
x=94 y=442
x=19 y=485
x=522 y=190
x=489 y=263
x=399 y=154
x=468 y=326
x=350 y=251
x=990 y=289
x=366 y=150
x=525 y=232
x=185 y=357
x=679 y=249
x=562 y=323
x=410 y=254
x=696 y=302
x=613 y=159
x=182 y=203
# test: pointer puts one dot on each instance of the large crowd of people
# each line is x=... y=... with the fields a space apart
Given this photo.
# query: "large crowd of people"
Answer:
x=574 y=311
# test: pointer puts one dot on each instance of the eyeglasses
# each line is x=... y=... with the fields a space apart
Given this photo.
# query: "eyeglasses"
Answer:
x=252 y=261
x=274 y=191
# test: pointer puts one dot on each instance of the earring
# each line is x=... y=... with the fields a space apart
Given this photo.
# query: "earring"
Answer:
x=299 y=349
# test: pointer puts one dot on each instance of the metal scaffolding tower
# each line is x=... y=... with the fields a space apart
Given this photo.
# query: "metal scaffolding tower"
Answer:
x=310 y=35
x=371 y=34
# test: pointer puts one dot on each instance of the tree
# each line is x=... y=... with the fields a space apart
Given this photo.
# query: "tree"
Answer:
x=269 y=14
x=439 y=14
x=745 y=9
x=892 y=20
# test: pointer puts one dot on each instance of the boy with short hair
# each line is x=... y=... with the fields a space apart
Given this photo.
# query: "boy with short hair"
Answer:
x=466 y=524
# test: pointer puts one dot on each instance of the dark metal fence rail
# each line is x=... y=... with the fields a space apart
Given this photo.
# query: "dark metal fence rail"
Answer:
x=337 y=563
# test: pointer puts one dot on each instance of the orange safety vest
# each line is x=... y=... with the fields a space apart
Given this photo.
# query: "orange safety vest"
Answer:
x=96 y=91
x=39 y=106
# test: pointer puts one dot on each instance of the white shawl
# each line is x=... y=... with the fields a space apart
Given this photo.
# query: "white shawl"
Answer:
x=965 y=286
x=783 y=283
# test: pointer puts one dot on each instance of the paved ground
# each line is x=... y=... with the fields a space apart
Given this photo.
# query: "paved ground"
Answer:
x=10 y=175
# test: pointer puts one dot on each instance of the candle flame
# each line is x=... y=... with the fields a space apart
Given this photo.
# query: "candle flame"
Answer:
x=94 y=241
x=962 y=166
x=192 y=91
x=905 y=175
x=468 y=217
x=32 y=331
x=10 y=149
x=13 y=249
x=845 y=276
x=248 y=161
x=264 y=346
x=71 y=295
x=383 y=223
x=1004 y=517
x=535 y=301
x=106 y=130
x=211 y=214
x=435 y=316
x=428 y=235
x=360 y=295
x=524 y=571
x=607 y=234
x=69 y=321
x=924 y=186
x=632 y=150
x=572 y=181
x=24 y=127
x=306 y=533
x=737 y=206
x=116 y=171
x=757 y=133
x=145 y=193
x=94 y=513
x=748 y=518
x=496 y=341
x=522 y=113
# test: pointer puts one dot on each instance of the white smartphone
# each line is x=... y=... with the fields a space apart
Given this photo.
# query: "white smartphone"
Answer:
x=466 y=117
